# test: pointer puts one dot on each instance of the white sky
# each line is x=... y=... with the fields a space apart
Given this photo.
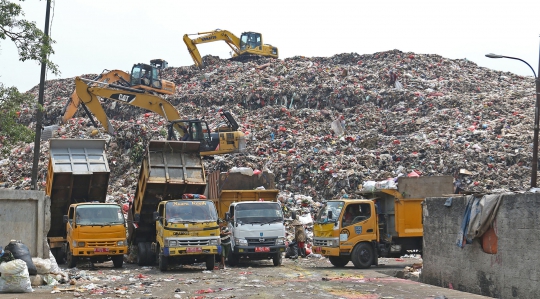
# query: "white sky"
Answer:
x=95 y=35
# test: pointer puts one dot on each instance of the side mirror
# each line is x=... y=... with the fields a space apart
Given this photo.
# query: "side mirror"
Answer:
x=155 y=216
x=137 y=217
x=227 y=216
x=330 y=215
x=65 y=218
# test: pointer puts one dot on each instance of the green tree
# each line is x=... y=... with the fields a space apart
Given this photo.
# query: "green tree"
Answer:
x=11 y=130
x=32 y=44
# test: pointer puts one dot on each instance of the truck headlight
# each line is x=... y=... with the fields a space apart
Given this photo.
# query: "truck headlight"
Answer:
x=241 y=242
x=214 y=242
x=78 y=244
x=121 y=243
x=333 y=243
x=280 y=241
x=172 y=243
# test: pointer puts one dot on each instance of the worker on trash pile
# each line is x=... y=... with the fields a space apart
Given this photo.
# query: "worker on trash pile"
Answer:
x=300 y=239
x=225 y=236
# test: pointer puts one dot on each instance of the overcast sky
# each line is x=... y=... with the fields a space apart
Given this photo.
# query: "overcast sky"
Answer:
x=95 y=35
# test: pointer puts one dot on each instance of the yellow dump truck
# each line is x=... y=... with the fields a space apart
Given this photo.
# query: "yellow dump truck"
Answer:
x=169 y=221
x=380 y=223
x=82 y=224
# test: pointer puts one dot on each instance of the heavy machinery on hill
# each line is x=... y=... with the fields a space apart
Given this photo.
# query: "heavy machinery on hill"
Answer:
x=143 y=77
x=249 y=44
x=225 y=139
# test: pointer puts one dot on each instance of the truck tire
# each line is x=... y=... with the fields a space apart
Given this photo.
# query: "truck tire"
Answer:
x=150 y=257
x=233 y=259
x=163 y=262
x=59 y=255
x=210 y=262
x=71 y=259
x=339 y=261
x=362 y=256
x=141 y=254
x=277 y=259
x=118 y=260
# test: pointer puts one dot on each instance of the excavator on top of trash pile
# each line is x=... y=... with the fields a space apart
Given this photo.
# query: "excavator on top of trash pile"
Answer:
x=249 y=45
x=224 y=140
x=145 y=77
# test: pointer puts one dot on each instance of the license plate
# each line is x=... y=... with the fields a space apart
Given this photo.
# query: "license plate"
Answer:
x=262 y=249
x=193 y=249
x=101 y=249
x=317 y=249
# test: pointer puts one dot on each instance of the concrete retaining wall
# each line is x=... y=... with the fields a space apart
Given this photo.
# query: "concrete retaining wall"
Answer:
x=513 y=272
x=25 y=216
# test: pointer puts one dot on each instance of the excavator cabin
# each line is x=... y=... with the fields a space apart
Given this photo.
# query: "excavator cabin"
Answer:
x=148 y=77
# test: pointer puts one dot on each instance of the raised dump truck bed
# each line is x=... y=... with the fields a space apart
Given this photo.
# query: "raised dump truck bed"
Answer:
x=78 y=172
x=168 y=170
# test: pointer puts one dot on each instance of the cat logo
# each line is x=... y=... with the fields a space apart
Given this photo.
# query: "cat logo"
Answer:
x=123 y=97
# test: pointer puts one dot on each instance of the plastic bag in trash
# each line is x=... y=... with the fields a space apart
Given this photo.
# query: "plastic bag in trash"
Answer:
x=54 y=264
x=15 y=277
x=21 y=251
x=43 y=266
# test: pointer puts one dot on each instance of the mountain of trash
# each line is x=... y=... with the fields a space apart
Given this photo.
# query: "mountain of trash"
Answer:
x=325 y=125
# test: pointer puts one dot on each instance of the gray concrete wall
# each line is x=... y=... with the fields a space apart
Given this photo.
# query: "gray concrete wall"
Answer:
x=25 y=216
x=511 y=273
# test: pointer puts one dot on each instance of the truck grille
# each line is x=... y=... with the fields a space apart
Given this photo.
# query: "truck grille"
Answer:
x=261 y=241
x=320 y=242
x=200 y=242
x=100 y=243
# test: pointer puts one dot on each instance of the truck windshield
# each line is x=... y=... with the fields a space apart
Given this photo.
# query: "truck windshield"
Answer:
x=335 y=207
x=259 y=212
x=99 y=215
x=190 y=211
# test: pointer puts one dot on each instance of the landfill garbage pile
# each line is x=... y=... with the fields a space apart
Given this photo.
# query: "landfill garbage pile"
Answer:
x=325 y=125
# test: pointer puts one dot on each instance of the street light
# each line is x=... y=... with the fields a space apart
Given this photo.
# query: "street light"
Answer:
x=534 y=172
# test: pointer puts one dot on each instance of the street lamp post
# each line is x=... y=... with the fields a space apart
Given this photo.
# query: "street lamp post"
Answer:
x=534 y=172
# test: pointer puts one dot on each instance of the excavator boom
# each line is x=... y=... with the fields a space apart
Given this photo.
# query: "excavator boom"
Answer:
x=225 y=140
x=113 y=76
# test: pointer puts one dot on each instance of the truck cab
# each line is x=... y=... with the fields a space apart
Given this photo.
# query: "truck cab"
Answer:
x=347 y=230
x=258 y=231
x=96 y=231
x=187 y=232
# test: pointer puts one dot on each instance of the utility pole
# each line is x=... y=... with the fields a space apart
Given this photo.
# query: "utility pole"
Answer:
x=39 y=113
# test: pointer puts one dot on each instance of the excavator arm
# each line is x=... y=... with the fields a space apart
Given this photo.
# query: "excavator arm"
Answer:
x=89 y=95
x=114 y=76
x=211 y=36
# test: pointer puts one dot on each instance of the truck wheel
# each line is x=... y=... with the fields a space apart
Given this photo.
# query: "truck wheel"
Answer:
x=150 y=257
x=362 y=256
x=233 y=259
x=163 y=262
x=71 y=259
x=339 y=261
x=59 y=255
x=118 y=261
x=210 y=262
x=141 y=254
x=277 y=259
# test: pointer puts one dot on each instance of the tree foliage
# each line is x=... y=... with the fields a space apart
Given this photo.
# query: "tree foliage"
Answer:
x=11 y=130
x=31 y=42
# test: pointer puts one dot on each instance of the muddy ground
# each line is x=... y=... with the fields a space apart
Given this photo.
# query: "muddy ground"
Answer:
x=311 y=277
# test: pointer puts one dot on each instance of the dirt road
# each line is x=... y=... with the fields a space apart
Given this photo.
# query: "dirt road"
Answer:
x=303 y=278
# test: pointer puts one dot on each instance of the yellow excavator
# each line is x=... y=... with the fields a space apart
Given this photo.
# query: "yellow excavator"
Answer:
x=248 y=45
x=225 y=139
x=144 y=77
